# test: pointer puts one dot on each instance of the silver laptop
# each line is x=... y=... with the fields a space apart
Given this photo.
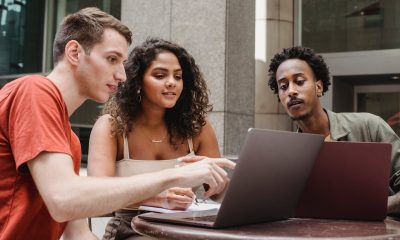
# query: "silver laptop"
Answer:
x=271 y=172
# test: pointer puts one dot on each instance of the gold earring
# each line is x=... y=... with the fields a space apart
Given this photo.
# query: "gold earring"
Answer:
x=139 y=96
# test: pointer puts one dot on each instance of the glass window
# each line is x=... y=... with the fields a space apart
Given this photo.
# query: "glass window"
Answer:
x=64 y=7
x=378 y=94
x=21 y=36
x=350 y=25
x=27 y=31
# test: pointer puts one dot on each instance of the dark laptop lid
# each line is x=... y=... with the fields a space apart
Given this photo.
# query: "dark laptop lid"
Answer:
x=350 y=180
x=270 y=175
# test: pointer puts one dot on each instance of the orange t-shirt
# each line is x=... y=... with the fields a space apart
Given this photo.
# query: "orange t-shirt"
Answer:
x=33 y=119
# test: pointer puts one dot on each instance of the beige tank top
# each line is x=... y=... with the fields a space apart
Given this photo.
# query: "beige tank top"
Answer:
x=129 y=167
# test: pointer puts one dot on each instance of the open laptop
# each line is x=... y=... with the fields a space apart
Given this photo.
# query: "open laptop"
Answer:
x=350 y=180
x=270 y=175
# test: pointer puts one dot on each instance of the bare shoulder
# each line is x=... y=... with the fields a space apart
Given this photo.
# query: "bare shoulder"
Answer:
x=205 y=143
x=103 y=127
x=103 y=123
x=103 y=146
x=105 y=119
x=205 y=131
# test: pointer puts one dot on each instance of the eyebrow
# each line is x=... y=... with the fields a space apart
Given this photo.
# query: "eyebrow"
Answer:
x=116 y=53
x=165 y=69
x=295 y=75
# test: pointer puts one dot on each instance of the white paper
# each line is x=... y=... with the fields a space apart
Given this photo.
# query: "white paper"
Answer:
x=194 y=207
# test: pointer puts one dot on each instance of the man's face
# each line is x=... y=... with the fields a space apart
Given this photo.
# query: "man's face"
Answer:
x=100 y=71
x=298 y=90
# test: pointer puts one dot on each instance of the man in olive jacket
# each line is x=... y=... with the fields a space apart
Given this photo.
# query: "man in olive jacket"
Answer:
x=300 y=77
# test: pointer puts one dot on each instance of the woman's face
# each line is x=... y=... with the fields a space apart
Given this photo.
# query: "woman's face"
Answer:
x=162 y=82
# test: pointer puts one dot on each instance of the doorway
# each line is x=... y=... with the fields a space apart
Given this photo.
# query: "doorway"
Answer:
x=376 y=94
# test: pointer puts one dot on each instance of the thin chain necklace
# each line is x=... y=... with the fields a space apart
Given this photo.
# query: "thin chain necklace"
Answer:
x=146 y=134
x=158 y=140
x=155 y=141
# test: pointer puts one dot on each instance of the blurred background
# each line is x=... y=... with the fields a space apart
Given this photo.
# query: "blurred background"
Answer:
x=233 y=41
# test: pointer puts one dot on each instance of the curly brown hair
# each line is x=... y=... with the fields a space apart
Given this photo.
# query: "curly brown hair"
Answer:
x=186 y=118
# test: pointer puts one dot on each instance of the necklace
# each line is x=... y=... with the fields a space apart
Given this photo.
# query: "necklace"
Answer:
x=155 y=141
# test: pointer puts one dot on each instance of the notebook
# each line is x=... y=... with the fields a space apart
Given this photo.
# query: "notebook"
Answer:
x=350 y=180
x=271 y=172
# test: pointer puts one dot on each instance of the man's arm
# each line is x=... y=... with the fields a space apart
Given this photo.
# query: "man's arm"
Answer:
x=385 y=133
x=69 y=196
x=394 y=204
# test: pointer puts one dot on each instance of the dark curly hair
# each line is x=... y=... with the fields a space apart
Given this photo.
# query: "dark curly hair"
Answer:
x=316 y=62
x=186 y=118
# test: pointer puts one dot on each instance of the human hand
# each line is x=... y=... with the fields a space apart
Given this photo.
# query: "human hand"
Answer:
x=206 y=171
x=394 y=119
x=193 y=159
x=176 y=198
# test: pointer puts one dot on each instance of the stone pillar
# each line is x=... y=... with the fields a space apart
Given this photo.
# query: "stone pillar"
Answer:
x=274 y=31
x=220 y=36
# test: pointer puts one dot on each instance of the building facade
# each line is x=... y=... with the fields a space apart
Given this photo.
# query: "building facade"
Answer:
x=232 y=42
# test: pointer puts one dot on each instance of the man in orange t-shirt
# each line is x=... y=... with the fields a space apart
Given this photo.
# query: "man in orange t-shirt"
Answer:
x=28 y=110
x=41 y=194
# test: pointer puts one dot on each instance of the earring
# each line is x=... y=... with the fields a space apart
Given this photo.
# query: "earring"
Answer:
x=319 y=94
x=139 y=96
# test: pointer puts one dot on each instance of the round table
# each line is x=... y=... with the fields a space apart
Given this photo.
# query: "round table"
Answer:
x=294 y=228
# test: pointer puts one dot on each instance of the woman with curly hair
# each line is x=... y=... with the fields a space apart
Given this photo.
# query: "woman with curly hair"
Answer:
x=155 y=118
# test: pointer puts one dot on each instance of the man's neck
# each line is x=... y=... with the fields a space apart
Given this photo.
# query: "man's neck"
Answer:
x=66 y=84
x=317 y=123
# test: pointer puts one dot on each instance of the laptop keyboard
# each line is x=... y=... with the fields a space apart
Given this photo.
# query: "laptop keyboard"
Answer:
x=210 y=218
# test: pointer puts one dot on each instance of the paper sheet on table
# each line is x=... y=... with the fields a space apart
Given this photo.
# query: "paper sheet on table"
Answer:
x=193 y=207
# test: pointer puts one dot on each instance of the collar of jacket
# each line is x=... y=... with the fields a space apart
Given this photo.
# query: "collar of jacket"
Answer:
x=337 y=128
